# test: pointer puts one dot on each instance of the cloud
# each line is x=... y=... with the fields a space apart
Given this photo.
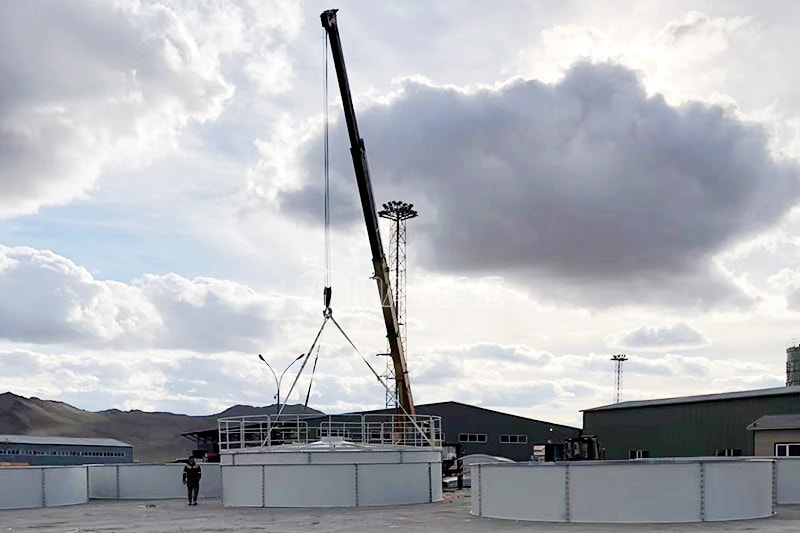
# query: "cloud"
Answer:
x=697 y=28
x=448 y=363
x=48 y=299
x=586 y=191
x=677 y=335
x=209 y=315
x=19 y=363
x=90 y=84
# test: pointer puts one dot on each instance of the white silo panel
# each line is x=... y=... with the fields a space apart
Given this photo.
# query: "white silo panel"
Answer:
x=788 y=479
x=261 y=458
x=393 y=484
x=436 y=481
x=151 y=481
x=313 y=485
x=475 y=493
x=20 y=487
x=65 y=485
x=523 y=492
x=242 y=486
x=103 y=481
x=211 y=483
x=737 y=489
x=629 y=491
x=281 y=458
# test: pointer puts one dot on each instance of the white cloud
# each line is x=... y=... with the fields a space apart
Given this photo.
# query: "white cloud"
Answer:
x=114 y=83
x=676 y=335
x=50 y=300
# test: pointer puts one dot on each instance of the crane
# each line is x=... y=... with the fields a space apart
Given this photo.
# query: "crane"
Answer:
x=381 y=268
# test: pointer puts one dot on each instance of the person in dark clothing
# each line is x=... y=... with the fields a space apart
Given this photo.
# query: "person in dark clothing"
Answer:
x=191 y=478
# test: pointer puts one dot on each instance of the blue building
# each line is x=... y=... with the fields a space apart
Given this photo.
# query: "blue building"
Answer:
x=62 y=450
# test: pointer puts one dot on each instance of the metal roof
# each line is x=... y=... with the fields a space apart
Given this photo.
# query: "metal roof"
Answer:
x=64 y=441
x=775 y=422
x=777 y=391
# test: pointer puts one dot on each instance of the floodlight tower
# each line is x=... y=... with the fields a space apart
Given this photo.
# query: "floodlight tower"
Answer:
x=618 y=360
x=399 y=213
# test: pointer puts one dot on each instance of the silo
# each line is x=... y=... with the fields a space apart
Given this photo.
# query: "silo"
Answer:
x=793 y=364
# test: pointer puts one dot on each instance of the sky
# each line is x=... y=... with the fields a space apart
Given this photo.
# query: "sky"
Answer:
x=592 y=178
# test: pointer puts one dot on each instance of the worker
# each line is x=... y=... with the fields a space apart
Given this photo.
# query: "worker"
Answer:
x=191 y=478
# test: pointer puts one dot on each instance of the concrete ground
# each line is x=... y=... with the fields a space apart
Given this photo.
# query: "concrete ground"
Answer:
x=165 y=516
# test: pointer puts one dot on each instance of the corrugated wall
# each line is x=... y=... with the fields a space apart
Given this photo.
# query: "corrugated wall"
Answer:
x=684 y=430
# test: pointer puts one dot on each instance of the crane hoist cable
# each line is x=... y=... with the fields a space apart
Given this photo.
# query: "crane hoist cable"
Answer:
x=327 y=293
x=311 y=380
x=385 y=386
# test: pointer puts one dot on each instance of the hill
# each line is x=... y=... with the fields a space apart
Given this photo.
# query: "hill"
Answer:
x=155 y=437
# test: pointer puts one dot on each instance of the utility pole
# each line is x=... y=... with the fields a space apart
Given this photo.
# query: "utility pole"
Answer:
x=618 y=360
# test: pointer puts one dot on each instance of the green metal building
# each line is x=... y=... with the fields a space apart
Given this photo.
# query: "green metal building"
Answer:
x=692 y=426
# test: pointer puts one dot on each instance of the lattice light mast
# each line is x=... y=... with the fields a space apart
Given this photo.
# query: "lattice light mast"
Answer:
x=398 y=213
x=618 y=360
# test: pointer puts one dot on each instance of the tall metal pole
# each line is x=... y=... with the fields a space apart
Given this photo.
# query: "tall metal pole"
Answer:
x=618 y=360
x=398 y=213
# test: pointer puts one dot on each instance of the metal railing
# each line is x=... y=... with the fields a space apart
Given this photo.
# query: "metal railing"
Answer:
x=273 y=430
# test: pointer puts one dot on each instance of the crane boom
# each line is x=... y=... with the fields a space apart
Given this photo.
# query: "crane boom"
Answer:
x=359 y=155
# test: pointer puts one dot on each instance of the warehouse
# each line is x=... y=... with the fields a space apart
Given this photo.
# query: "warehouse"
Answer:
x=39 y=451
x=480 y=430
x=691 y=426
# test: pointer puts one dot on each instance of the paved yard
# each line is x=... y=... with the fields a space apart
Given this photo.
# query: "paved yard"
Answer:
x=165 y=516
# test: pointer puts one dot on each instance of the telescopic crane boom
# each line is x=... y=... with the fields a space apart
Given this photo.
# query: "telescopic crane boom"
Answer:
x=359 y=154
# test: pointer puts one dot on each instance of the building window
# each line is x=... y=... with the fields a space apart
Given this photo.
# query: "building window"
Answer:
x=787 y=449
x=472 y=437
x=730 y=452
x=513 y=439
x=638 y=454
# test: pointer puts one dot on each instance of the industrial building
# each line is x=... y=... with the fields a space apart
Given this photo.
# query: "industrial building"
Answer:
x=475 y=429
x=754 y=422
x=480 y=430
x=41 y=451
x=691 y=426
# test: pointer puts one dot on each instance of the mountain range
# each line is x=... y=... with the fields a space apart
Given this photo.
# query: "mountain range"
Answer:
x=155 y=437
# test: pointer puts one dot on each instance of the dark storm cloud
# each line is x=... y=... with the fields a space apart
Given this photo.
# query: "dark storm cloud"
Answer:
x=588 y=189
